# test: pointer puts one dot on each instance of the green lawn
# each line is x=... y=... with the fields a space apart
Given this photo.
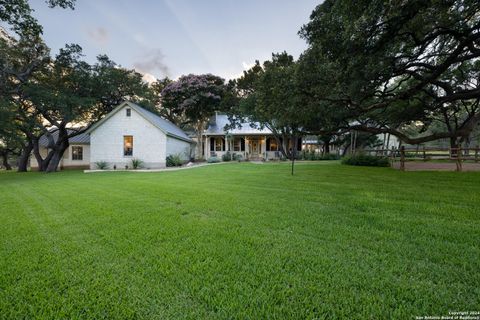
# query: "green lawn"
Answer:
x=242 y=241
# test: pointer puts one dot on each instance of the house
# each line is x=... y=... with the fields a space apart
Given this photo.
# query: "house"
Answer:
x=128 y=132
x=246 y=141
x=77 y=156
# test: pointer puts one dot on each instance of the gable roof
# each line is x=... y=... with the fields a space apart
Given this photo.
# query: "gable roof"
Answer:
x=82 y=138
x=162 y=124
x=216 y=127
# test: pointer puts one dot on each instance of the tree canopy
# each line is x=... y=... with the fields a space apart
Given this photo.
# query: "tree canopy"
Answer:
x=389 y=64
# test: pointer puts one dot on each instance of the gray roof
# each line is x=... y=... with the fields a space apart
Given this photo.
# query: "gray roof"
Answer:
x=164 y=125
x=219 y=121
x=82 y=138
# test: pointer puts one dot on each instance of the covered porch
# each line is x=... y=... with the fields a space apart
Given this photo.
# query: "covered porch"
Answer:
x=248 y=147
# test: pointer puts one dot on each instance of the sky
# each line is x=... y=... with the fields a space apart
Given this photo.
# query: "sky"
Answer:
x=173 y=37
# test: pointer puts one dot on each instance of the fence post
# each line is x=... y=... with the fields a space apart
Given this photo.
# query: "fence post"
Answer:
x=459 y=159
x=402 y=158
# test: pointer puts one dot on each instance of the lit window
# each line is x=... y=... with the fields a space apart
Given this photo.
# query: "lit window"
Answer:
x=77 y=153
x=272 y=143
x=218 y=144
x=127 y=145
x=129 y=112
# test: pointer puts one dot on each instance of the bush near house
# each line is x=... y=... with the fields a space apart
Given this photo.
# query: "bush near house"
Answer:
x=227 y=156
x=366 y=160
x=237 y=157
x=174 y=160
x=101 y=165
x=312 y=155
x=213 y=160
x=137 y=163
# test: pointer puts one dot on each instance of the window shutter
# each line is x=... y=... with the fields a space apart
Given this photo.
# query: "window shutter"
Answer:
x=223 y=144
x=268 y=144
x=242 y=147
x=212 y=144
x=299 y=144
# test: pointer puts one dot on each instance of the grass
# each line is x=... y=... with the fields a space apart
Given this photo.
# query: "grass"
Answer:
x=240 y=241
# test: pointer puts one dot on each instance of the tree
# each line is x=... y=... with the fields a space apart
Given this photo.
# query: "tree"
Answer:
x=69 y=92
x=387 y=65
x=21 y=56
x=18 y=14
x=270 y=96
x=194 y=98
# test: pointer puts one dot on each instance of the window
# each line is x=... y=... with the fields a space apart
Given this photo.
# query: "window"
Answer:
x=129 y=112
x=239 y=144
x=219 y=144
x=272 y=144
x=127 y=145
x=77 y=153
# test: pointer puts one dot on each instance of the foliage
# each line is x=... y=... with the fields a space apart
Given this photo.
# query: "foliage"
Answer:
x=312 y=155
x=174 y=160
x=101 y=165
x=213 y=160
x=366 y=160
x=227 y=156
x=137 y=163
x=237 y=157
x=185 y=234
x=18 y=15
x=269 y=97
x=384 y=65
x=195 y=98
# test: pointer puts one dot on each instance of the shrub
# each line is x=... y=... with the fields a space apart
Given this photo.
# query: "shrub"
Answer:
x=137 y=163
x=227 y=156
x=328 y=156
x=213 y=160
x=237 y=157
x=101 y=165
x=366 y=160
x=174 y=160
x=312 y=155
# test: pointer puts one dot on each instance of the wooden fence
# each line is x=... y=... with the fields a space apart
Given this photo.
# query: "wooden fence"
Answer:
x=458 y=155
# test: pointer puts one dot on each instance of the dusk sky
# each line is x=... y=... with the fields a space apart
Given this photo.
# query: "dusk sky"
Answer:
x=175 y=37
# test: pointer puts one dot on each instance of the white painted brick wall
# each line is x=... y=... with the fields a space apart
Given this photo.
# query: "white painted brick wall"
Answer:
x=149 y=143
x=176 y=146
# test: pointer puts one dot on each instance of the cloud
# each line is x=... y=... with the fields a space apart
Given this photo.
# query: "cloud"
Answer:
x=99 y=35
x=237 y=74
x=149 y=78
x=152 y=60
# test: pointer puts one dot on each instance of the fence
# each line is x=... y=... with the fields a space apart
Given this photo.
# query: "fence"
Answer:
x=458 y=155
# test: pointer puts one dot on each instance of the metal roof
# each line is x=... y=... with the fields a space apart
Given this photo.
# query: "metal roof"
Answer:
x=219 y=122
x=82 y=138
x=164 y=125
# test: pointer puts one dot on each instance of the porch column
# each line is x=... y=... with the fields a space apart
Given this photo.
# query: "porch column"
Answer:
x=263 y=147
x=245 y=150
x=206 y=147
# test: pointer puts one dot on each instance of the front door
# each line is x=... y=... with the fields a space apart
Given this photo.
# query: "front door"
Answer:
x=255 y=148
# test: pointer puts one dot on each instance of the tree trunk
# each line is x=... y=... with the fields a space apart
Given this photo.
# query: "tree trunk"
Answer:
x=57 y=152
x=24 y=157
x=5 y=161
x=42 y=163
x=294 y=151
x=453 y=147
x=326 y=147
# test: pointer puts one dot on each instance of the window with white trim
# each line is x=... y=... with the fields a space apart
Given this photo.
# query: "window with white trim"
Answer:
x=77 y=153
